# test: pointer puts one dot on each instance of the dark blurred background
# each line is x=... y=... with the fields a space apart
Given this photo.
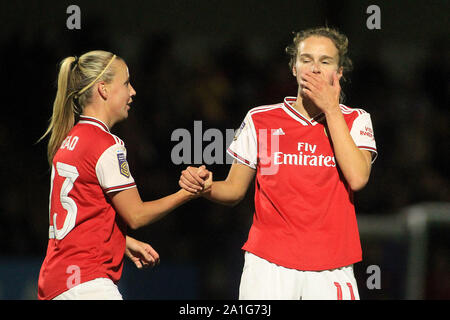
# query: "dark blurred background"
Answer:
x=213 y=61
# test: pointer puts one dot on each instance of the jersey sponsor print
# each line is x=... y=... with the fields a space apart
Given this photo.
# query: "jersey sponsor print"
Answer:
x=304 y=214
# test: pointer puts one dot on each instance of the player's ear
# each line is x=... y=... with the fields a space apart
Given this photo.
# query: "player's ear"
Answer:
x=102 y=90
x=339 y=72
x=294 y=70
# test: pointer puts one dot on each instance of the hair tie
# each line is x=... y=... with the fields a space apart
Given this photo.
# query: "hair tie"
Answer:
x=74 y=63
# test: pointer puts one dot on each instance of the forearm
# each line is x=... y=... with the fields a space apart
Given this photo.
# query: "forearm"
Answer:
x=227 y=192
x=137 y=213
x=223 y=192
x=151 y=211
x=351 y=160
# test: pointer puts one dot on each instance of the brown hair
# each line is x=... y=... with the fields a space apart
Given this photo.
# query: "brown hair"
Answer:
x=339 y=39
x=75 y=81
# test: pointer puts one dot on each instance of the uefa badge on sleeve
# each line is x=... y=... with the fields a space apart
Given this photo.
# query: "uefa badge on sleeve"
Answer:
x=123 y=164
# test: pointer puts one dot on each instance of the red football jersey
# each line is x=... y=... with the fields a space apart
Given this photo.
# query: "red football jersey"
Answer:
x=304 y=214
x=86 y=235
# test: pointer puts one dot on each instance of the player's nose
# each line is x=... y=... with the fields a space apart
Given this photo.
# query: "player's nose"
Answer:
x=315 y=68
x=132 y=91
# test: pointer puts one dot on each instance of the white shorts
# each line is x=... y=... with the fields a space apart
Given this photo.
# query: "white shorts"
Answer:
x=97 y=289
x=263 y=280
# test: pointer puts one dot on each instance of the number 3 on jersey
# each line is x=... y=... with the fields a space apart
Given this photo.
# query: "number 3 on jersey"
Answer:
x=70 y=173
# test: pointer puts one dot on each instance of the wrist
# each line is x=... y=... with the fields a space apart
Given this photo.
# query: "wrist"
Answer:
x=186 y=195
x=333 y=111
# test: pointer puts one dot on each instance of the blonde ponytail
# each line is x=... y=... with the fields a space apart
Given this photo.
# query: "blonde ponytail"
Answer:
x=63 y=116
x=75 y=81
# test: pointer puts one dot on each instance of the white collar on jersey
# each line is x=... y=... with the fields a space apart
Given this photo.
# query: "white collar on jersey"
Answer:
x=94 y=121
x=288 y=101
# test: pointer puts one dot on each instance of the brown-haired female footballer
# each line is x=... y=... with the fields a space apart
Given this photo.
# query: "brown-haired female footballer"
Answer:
x=307 y=155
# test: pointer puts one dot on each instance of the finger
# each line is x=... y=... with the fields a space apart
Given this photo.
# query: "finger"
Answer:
x=308 y=75
x=200 y=174
x=194 y=174
x=137 y=263
x=146 y=264
x=204 y=174
x=310 y=82
x=146 y=259
x=305 y=84
x=192 y=186
x=208 y=182
x=185 y=184
x=146 y=255
x=308 y=92
x=185 y=187
x=152 y=252
x=156 y=258
x=191 y=178
x=312 y=78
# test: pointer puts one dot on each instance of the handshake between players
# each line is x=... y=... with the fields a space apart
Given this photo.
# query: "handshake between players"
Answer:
x=197 y=181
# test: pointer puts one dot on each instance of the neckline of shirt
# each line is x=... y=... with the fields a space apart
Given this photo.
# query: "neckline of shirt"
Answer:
x=298 y=116
x=94 y=121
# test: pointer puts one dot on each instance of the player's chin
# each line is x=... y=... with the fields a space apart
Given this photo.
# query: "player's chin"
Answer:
x=124 y=114
x=125 y=111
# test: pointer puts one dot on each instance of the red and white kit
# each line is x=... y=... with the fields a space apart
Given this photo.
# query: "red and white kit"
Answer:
x=304 y=215
x=86 y=236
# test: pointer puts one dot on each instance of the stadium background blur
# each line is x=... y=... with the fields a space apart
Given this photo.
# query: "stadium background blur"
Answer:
x=212 y=61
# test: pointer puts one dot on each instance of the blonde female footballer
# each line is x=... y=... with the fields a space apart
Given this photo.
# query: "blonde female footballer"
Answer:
x=309 y=154
x=93 y=196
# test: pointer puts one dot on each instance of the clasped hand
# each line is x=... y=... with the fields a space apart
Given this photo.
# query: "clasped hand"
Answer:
x=197 y=181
